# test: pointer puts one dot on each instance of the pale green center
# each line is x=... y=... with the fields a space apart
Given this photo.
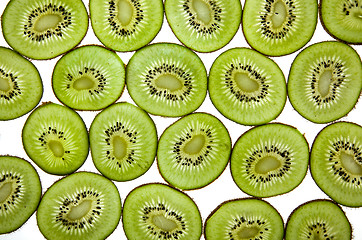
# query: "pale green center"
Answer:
x=195 y=145
x=56 y=147
x=248 y=232
x=4 y=84
x=5 y=191
x=279 y=14
x=168 y=81
x=350 y=164
x=79 y=211
x=83 y=83
x=267 y=164
x=119 y=147
x=245 y=83
x=324 y=82
x=45 y=22
x=203 y=11
x=164 y=223
x=125 y=12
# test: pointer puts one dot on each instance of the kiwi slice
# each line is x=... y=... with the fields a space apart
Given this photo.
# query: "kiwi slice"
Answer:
x=269 y=160
x=247 y=87
x=126 y=25
x=44 y=29
x=123 y=141
x=244 y=219
x=20 y=192
x=21 y=87
x=325 y=81
x=279 y=27
x=56 y=139
x=166 y=79
x=318 y=219
x=89 y=78
x=336 y=162
x=204 y=25
x=83 y=205
x=193 y=151
x=157 y=211
x=342 y=19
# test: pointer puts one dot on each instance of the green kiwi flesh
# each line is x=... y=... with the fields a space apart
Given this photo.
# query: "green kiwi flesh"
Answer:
x=157 y=211
x=269 y=160
x=342 y=19
x=204 y=25
x=324 y=82
x=89 y=78
x=21 y=87
x=247 y=87
x=82 y=205
x=279 y=27
x=242 y=219
x=41 y=29
x=193 y=151
x=126 y=25
x=56 y=139
x=20 y=192
x=318 y=219
x=123 y=141
x=166 y=79
x=336 y=162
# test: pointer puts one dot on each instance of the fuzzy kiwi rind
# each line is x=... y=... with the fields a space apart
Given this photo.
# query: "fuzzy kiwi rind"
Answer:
x=336 y=162
x=83 y=205
x=324 y=82
x=19 y=201
x=209 y=146
x=21 y=86
x=244 y=218
x=179 y=214
x=39 y=38
x=89 y=77
x=269 y=160
x=318 y=219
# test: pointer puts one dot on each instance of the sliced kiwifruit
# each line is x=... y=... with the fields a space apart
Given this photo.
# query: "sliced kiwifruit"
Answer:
x=204 y=25
x=193 y=151
x=324 y=82
x=89 y=78
x=20 y=192
x=336 y=162
x=157 y=211
x=269 y=160
x=279 y=27
x=244 y=219
x=56 y=139
x=318 y=219
x=342 y=19
x=21 y=87
x=166 y=79
x=123 y=141
x=247 y=87
x=44 y=29
x=126 y=25
x=82 y=205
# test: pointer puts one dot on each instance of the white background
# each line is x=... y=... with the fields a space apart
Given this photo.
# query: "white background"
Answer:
x=210 y=196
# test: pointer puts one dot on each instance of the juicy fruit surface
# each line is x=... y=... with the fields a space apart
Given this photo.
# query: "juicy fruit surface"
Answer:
x=325 y=81
x=123 y=141
x=194 y=151
x=336 y=162
x=204 y=25
x=157 y=211
x=57 y=145
x=44 y=30
x=244 y=219
x=89 y=78
x=20 y=192
x=83 y=205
